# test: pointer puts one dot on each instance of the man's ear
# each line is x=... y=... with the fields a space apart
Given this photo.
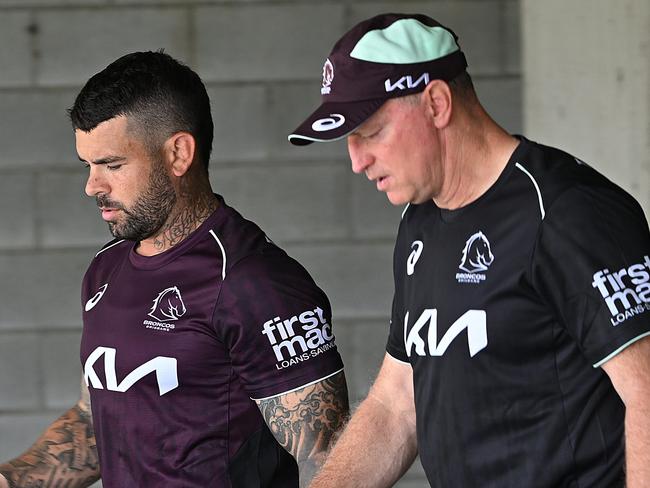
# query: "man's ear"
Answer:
x=179 y=152
x=438 y=99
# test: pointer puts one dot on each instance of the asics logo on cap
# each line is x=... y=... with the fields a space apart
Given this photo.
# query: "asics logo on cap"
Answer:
x=328 y=123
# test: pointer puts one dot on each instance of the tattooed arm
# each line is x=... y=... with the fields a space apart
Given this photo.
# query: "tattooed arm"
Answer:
x=64 y=456
x=379 y=442
x=305 y=421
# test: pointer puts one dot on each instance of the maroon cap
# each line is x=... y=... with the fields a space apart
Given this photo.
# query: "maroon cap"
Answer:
x=387 y=56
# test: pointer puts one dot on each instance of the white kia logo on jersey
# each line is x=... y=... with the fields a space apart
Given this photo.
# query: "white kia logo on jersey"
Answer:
x=164 y=367
x=90 y=304
x=413 y=258
x=168 y=305
x=328 y=123
x=475 y=321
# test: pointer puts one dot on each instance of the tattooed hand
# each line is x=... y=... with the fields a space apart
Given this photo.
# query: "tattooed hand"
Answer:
x=305 y=421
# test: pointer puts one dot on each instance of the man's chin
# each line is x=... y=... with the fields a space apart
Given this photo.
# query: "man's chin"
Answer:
x=134 y=235
x=118 y=233
x=396 y=199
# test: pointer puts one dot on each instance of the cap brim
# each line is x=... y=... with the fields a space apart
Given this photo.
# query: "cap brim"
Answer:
x=333 y=120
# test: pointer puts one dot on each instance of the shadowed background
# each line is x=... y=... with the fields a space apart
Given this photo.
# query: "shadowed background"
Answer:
x=570 y=73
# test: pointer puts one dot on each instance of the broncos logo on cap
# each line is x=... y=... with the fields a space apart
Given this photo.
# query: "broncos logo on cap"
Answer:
x=477 y=255
x=328 y=77
x=168 y=305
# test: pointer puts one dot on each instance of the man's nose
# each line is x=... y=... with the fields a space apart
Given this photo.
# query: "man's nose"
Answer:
x=359 y=156
x=95 y=184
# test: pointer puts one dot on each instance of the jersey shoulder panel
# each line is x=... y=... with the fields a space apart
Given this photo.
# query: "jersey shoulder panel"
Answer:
x=271 y=316
x=239 y=238
x=589 y=261
x=101 y=270
x=576 y=197
x=104 y=260
x=553 y=173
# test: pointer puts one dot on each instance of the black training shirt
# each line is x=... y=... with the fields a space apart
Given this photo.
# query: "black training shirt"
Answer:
x=505 y=310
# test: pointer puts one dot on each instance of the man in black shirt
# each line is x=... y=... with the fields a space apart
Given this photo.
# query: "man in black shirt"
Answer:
x=519 y=327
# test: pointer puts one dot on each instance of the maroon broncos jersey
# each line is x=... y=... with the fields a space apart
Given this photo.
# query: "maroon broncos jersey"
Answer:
x=176 y=347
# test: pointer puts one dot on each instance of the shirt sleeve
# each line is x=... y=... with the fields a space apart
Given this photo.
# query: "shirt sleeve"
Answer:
x=395 y=346
x=277 y=326
x=591 y=264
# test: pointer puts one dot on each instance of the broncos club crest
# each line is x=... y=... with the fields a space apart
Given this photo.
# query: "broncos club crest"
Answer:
x=476 y=257
x=168 y=305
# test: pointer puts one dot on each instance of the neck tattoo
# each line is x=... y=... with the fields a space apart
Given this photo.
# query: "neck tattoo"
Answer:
x=183 y=222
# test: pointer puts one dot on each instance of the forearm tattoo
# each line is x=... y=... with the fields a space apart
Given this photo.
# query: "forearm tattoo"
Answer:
x=65 y=456
x=305 y=421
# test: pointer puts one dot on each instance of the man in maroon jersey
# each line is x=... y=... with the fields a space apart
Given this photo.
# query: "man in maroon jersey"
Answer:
x=207 y=352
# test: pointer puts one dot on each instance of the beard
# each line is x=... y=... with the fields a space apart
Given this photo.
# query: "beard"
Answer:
x=150 y=210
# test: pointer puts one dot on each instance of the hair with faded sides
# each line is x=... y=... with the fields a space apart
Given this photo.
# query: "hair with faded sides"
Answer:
x=462 y=88
x=159 y=95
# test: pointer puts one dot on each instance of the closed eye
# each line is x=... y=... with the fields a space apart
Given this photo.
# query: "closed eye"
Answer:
x=374 y=134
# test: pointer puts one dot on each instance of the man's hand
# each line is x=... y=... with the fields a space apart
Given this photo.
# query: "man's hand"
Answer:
x=379 y=443
x=305 y=421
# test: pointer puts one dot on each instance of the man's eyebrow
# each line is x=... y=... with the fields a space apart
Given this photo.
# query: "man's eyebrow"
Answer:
x=106 y=160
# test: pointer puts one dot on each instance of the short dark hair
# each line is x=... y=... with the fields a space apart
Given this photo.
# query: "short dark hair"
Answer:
x=160 y=94
x=462 y=86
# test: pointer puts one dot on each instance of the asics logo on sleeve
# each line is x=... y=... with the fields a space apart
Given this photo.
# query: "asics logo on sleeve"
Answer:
x=417 y=247
x=90 y=304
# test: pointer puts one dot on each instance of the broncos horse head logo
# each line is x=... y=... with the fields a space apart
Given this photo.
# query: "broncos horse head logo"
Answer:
x=477 y=255
x=168 y=305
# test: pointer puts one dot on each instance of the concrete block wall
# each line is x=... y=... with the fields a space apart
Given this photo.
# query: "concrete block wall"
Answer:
x=596 y=84
x=261 y=61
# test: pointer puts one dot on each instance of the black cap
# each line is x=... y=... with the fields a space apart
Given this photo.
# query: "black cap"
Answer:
x=387 y=56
